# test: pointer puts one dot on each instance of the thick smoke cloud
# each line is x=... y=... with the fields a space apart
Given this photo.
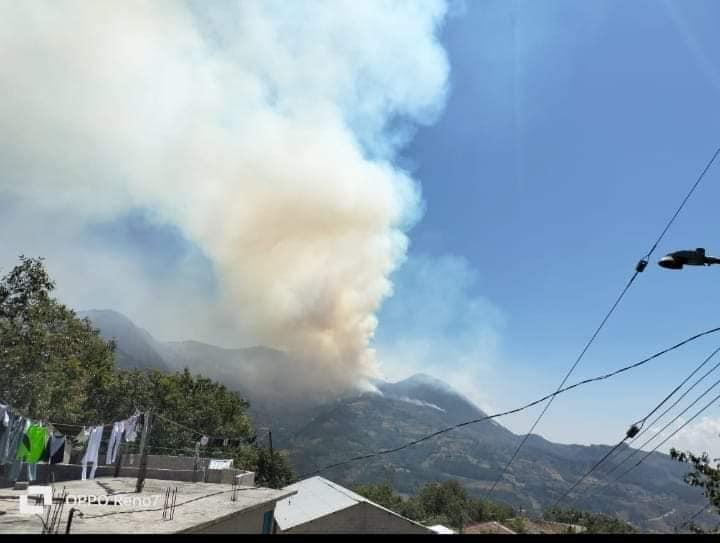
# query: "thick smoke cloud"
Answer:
x=264 y=131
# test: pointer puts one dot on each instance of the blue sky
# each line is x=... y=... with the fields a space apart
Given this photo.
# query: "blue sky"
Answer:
x=572 y=131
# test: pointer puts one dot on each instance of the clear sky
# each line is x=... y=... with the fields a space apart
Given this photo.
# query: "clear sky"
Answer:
x=137 y=149
x=571 y=134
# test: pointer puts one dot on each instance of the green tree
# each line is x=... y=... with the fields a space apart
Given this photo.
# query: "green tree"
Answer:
x=445 y=503
x=594 y=523
x=705 y=474
x=484 y=510
x=273 y=471
x=56 y=367
x=53 y=366
x=382 y=494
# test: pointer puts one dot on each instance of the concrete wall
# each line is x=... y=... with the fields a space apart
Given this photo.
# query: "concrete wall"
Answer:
x=249 y=521
x=162 y=467
x=362 y=518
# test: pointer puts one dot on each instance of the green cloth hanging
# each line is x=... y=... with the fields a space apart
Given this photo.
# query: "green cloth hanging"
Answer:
x=32 y=444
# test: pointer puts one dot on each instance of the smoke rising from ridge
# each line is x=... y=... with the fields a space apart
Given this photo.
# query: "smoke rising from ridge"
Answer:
x=264 y=131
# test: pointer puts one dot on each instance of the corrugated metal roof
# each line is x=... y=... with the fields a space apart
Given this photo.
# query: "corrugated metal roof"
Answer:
x=317 y=497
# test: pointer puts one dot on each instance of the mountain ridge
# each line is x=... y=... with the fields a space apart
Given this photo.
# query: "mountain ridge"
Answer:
x=321 y=433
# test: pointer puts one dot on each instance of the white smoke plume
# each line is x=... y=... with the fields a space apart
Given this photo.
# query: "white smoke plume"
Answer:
x=264 y=130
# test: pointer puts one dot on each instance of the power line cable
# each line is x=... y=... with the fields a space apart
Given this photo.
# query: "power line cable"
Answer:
x=630 y=435
x=682 y=205
x=682 y=384
x=692 y=517
x=587 y=473
x=634 y=430
x=668 y=409
x=567 y=376
x=640 y=267
x=638 y=449
x=200 y=433
x=518 y=409
x=704 y=408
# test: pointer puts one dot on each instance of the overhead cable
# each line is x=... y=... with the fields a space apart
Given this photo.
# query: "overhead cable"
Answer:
x=639 y=268
x=518 y=409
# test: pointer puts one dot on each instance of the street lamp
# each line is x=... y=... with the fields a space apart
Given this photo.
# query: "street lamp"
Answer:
x=678 y=259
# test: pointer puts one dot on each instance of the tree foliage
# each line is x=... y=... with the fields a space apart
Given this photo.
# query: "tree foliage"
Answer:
x=704 y=475
x=56 y=367
x=52 y=364
x=444 y=503
x=593 y=522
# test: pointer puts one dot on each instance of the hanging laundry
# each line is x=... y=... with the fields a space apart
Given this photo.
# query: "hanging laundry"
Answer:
x=131 y=428
x=76 y=445
x=10 y=440
x=4 y=423
x=15 y=470
x=204 y=440
x=4 y=417
x=32 y=444
x=54 y=450
x=92 y=452
x=82 y=437
x=16 y=431
x=115 y=440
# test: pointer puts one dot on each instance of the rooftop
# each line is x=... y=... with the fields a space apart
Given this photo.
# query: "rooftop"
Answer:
x=317 y=497
x=440 y=529
x=197 y=504
x=491 y=527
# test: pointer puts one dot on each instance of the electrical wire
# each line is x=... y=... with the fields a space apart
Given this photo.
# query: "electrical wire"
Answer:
x=587 y=473
x=51 y=423
x=682 y=383
x=692 y=517
x=562 y=383
x=639 y=424
x=639 y=268
x=642 y=421
x=659 y=417
x=199 y=433
x=517 y=409
x=704 y=408
x=682 y=205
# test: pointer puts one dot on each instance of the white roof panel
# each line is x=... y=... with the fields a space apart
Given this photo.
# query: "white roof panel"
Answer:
x=316 y=497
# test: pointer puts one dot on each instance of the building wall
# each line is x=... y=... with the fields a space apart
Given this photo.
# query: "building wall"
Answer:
x=362 y=518
x=158 y=467
x=248 y=521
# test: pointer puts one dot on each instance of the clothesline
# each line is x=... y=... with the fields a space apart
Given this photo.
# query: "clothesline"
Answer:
x=54 y=427
x=25 y=441
x=203 y=434
x=51 y=423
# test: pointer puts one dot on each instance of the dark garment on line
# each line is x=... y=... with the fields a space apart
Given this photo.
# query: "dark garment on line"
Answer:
x=55 y=450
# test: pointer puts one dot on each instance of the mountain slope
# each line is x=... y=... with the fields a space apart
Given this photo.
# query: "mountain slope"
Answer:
x=136 y=348
x=317 y=434
x=475 y=455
